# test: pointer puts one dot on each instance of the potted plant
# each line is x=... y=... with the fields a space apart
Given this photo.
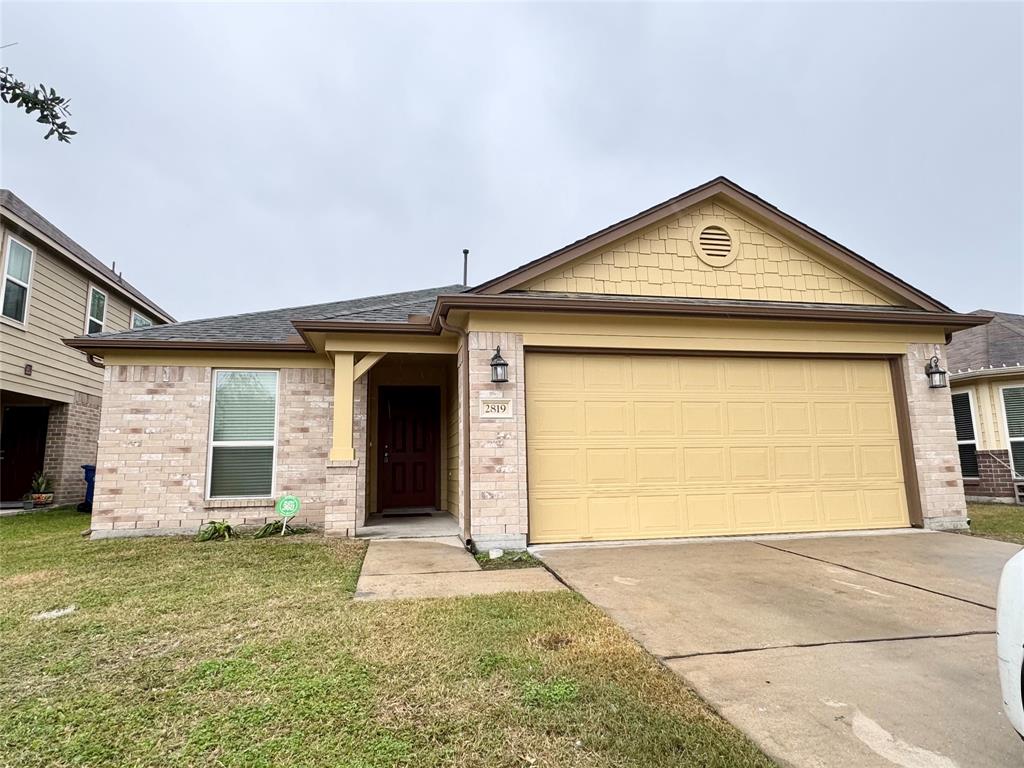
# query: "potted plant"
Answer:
x=42 y=490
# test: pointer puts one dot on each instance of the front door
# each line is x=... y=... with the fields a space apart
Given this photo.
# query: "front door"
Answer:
x=407 y=445
x=22 y=447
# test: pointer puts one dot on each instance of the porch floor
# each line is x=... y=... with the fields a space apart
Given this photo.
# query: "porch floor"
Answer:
x=432 y=525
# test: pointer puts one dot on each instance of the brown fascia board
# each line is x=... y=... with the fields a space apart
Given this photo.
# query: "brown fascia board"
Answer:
x=510 y=302
x=343 y=326
x=105 y=280
x=98 y=346
x=736 y=194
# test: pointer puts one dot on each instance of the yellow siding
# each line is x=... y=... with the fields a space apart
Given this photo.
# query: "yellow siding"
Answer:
x=661 y=261
x=57 y=305
x=987 y=409
x=633 y=447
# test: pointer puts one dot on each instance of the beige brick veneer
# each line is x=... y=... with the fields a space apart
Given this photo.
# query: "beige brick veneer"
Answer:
x=153 y=439
x=935 y=451
x=346 y=480
x=498 y=495
x=71 y=433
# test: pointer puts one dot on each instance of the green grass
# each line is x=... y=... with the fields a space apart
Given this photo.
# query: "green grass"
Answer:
x=252 y=653
x=516 y=559
x=997 y=521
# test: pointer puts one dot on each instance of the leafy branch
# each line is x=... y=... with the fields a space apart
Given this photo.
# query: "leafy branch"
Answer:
x=52 y=109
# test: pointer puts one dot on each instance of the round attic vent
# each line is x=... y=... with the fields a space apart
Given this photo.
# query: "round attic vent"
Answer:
x=715 y=245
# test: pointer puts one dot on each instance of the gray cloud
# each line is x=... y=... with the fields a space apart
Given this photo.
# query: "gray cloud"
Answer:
x=241 y=157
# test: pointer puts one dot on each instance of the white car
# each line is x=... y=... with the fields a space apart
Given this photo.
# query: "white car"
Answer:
x=1010 y=639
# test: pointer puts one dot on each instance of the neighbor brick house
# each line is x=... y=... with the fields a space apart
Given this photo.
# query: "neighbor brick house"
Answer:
x=986 y=373
x=50 y=394
x=708 y=366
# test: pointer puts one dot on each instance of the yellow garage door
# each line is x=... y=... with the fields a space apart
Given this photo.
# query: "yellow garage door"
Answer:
x=637 y=447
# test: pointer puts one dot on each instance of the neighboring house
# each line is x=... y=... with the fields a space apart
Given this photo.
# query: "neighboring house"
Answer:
x=50 y=394
x=986 y=373
x=709 y=366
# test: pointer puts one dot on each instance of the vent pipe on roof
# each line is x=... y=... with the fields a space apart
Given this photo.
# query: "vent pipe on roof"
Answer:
x=465 y=266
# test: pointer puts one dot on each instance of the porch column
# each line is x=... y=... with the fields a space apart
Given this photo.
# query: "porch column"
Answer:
x=341 y=445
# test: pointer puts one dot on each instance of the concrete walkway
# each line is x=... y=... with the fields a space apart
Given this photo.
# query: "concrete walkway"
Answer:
x=398 y=569
x=872 y=651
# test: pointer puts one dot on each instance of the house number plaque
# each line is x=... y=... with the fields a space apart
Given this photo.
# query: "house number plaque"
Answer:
x=494 y=406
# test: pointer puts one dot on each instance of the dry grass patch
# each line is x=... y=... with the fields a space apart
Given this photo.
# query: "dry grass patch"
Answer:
x=251 y=653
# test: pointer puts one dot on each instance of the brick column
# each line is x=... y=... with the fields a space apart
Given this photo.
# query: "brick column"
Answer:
x=935 y=451
x=498 y=494
x=346 y=479
x=72 y=433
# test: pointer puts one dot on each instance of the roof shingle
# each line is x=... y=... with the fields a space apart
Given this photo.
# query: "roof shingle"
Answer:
x=998 y=344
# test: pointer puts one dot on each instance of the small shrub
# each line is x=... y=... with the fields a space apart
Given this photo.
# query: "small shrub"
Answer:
x=274 y=528
x=41 y=483
x=216 y=529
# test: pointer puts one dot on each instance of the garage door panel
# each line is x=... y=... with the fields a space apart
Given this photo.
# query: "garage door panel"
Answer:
x=607 y=466
x=623 y=447
x=750 y=464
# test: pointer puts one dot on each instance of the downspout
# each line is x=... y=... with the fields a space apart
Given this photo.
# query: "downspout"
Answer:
x=467 y=526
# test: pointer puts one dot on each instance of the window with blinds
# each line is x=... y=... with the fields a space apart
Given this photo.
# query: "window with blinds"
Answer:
x=1013 y=407
x=966 y=442
x=243 y=435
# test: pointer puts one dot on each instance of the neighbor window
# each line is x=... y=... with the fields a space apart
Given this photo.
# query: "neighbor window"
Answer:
x=243 y=433
x=139 y=320
x=966 y=442
x=17 y=273
x=97 y=310
x=1013 y=406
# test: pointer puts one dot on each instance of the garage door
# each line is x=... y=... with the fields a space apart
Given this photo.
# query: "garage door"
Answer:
x=635 y=447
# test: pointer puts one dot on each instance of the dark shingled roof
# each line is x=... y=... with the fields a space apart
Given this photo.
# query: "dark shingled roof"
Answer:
x=998 y=344
x=275 y=325
x=33 y=218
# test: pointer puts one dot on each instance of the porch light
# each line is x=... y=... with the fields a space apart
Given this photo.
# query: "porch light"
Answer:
x=936 y=376
x=499 y=368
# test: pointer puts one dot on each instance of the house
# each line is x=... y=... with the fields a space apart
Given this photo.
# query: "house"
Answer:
x=708 y=366
x=50 y=394
x=986 y=374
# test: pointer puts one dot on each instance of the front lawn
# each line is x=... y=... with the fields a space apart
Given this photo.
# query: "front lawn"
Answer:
x=997 y=521
x=251 y=653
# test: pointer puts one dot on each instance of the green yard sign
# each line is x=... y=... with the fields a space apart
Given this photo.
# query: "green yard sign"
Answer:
x=288 y=506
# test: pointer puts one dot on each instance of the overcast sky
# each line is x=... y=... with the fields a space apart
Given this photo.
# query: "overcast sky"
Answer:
x=242 y=157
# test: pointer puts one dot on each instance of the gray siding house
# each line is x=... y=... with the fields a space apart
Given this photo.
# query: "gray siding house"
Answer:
x=50 y=394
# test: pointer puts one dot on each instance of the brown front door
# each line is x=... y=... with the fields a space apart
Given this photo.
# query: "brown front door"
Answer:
x=22 y=447
x=407 y=446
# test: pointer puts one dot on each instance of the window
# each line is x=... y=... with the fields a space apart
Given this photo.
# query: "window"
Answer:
x=97 y=310
x=17 y=275
x=1013 y=407
x=966 y=442
x=242 y=434
x=139 y=320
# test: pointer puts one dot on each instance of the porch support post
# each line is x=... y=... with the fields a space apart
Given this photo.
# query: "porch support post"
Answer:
x=341 y=446
x=366 y=362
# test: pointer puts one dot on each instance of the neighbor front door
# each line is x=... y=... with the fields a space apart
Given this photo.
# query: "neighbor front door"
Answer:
x=22 y=447
x=409 y=420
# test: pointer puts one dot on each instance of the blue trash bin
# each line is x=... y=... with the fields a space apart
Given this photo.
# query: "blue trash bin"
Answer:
x=89 y=471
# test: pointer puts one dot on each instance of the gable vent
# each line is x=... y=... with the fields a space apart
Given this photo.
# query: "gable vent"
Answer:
x=715 y=246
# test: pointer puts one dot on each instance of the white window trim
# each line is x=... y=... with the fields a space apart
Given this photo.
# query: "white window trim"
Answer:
x=1006 y=429
x=131 y=320
x=88 y=308
x=23 y=324
x=974 y=429
x=242 y=443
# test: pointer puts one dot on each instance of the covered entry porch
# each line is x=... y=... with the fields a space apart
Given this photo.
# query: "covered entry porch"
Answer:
x=402 y=469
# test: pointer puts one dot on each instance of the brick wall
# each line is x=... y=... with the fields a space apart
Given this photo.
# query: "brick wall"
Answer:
x=153 y=439
x=346 y=480
x=934 y=436
x=995 y=479
x=498 y=493
x=72 y=432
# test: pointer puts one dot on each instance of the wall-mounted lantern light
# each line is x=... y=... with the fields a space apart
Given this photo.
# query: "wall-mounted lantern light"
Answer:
x=499 y=368
x=936 y=376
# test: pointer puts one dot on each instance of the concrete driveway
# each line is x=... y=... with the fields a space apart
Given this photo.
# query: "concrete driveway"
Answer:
x=868 y=650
